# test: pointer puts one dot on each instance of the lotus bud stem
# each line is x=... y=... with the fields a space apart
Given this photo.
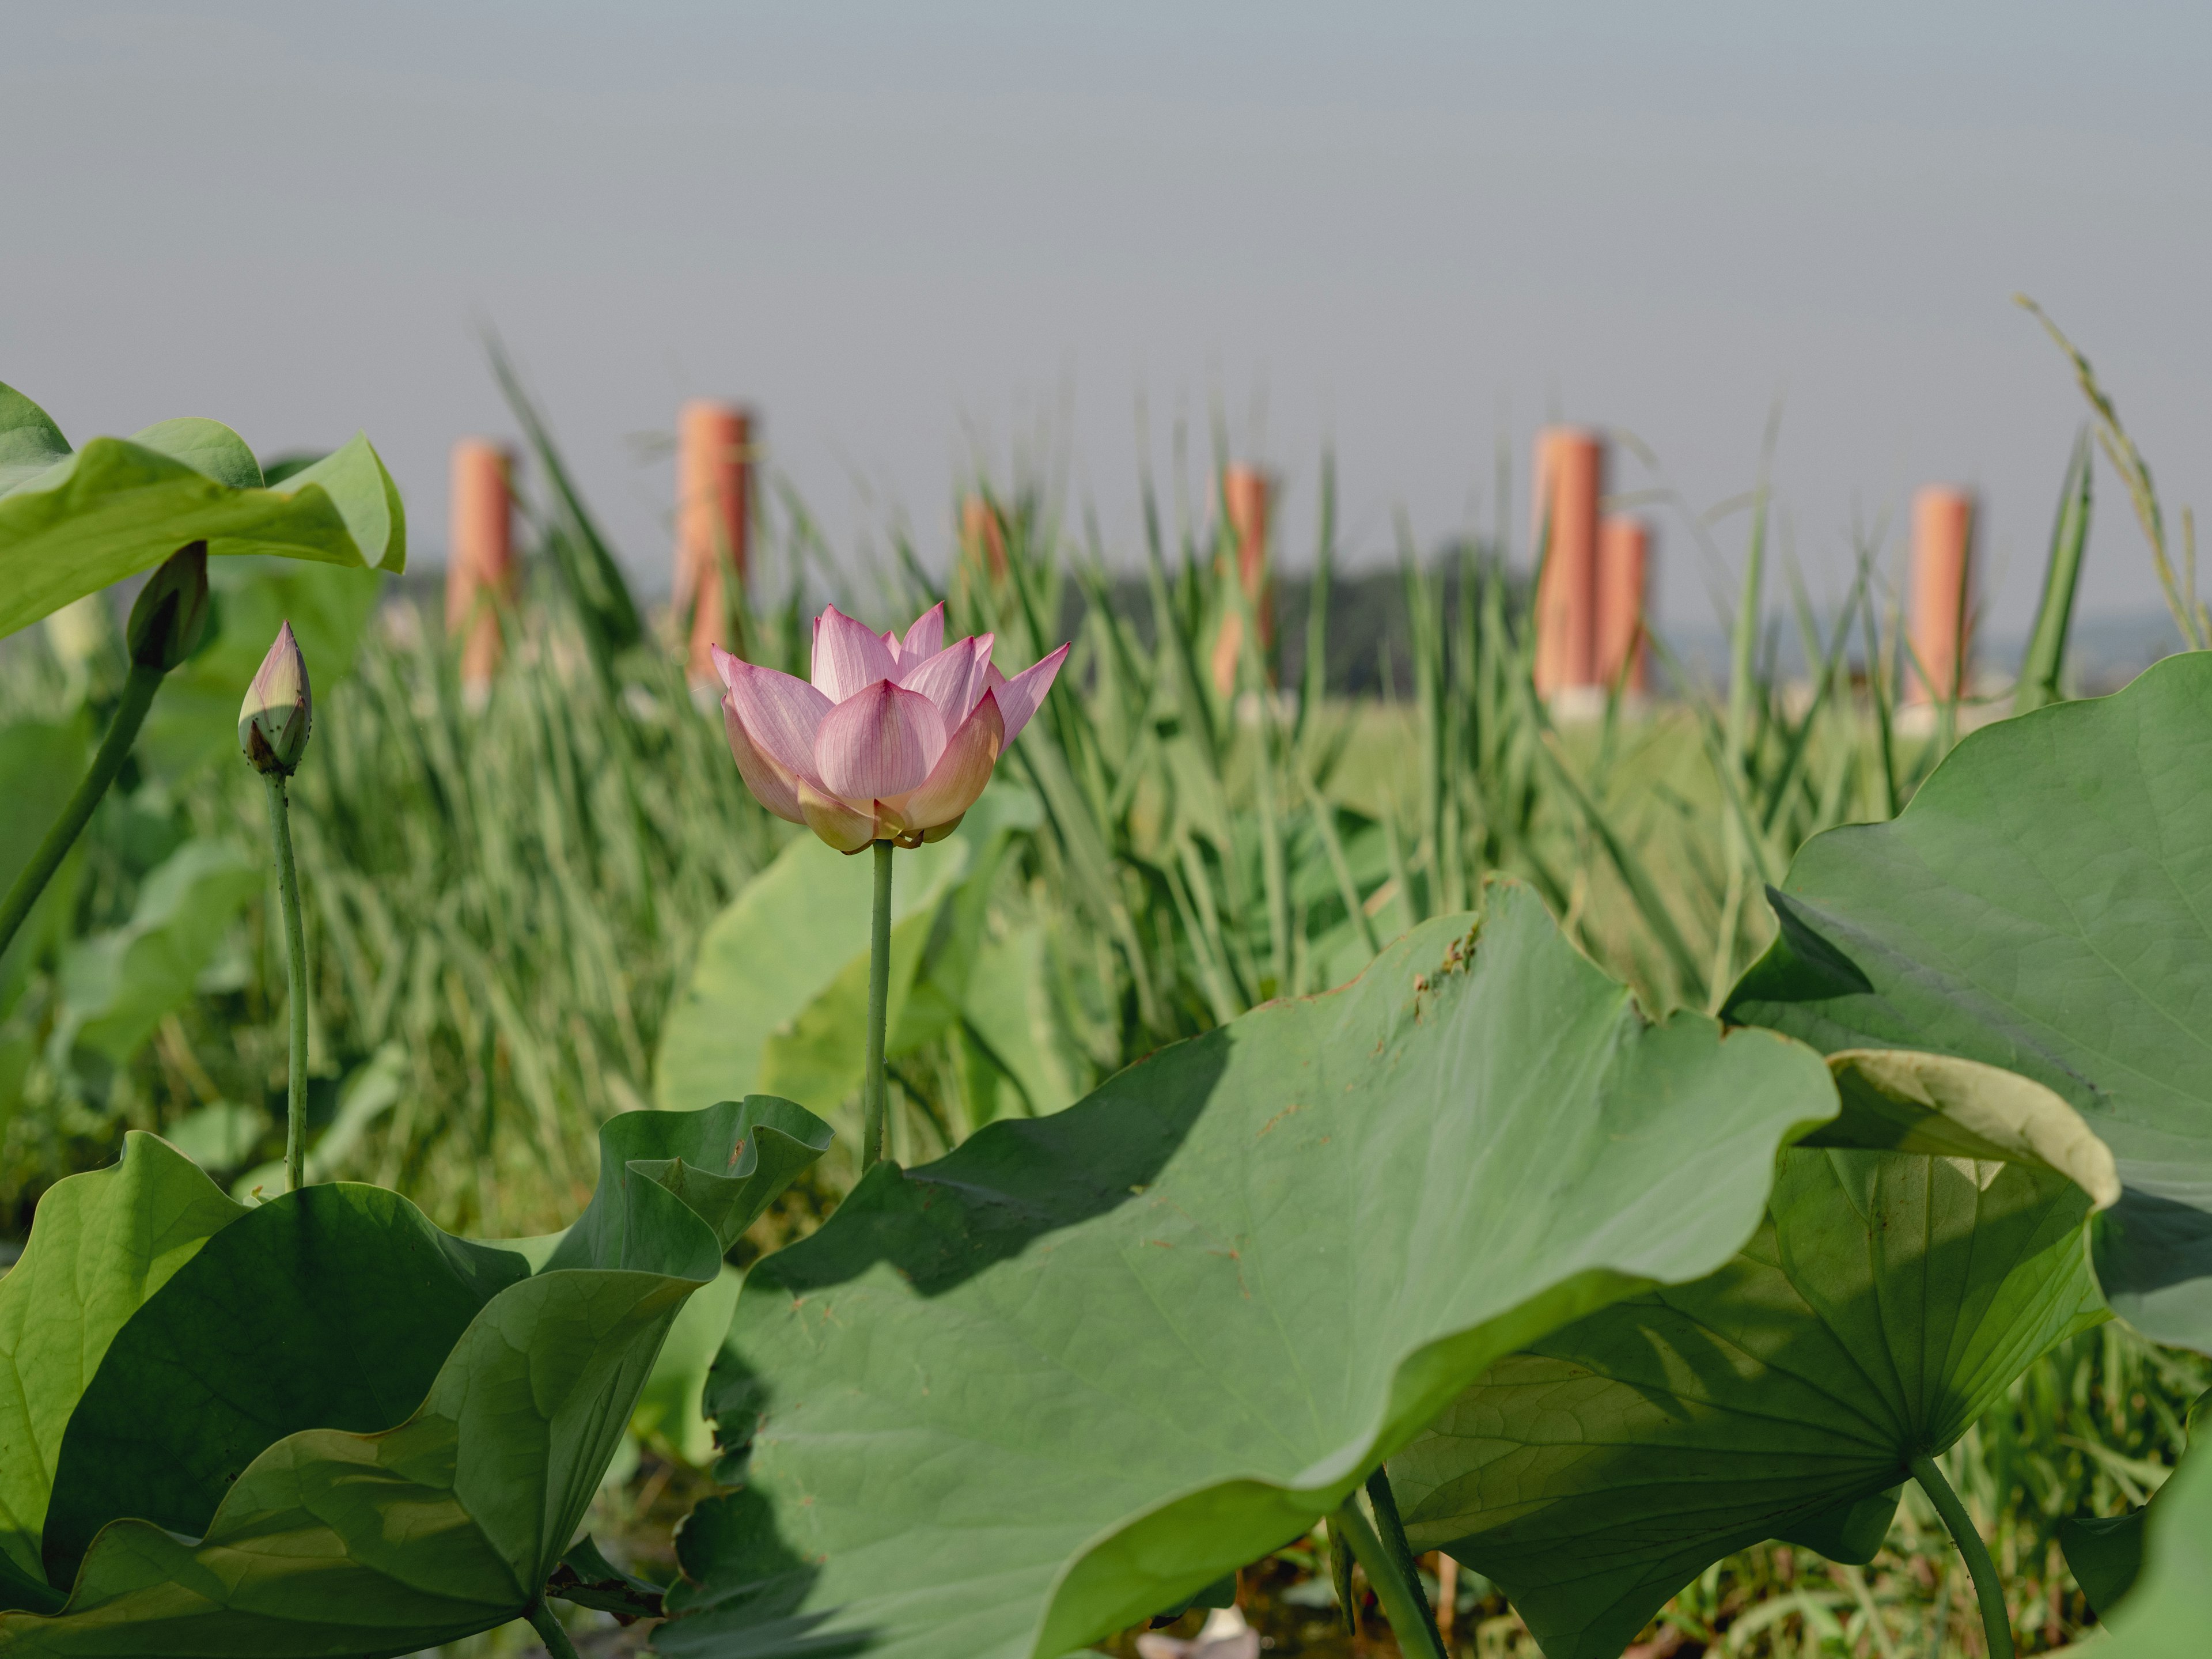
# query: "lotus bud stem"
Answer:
x=272 y=731
x=164 y=628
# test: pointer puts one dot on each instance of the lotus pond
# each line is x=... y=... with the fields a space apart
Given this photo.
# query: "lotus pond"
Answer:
x=967 y=1138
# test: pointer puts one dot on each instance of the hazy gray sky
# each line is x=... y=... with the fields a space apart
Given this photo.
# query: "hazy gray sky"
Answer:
x=902 y=230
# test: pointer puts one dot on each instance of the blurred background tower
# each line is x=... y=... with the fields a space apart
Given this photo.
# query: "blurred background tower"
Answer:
x=480 y=557
x=1623 y=586
x=1245 y=501
x=714 y=527
x=1570 y=476
x=1940 y=629
x=983 y=542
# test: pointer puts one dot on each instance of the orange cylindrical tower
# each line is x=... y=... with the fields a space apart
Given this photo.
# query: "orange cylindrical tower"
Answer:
x=713 y=524
x=1244 y=492
x=1624 y=559
x=982 y=537
x=480 y=555
x=1570 y=477
x=1941 y=629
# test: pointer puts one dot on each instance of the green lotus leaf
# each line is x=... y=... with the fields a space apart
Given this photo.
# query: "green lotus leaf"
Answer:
x=2105 y=1553
x=2167 y=1611
x=1907 y=1100
x=73 y=521
x=1086 y=1365
x=2042 y=905
x=1886 y=1302
x=101 y=1244
x=232 y=1477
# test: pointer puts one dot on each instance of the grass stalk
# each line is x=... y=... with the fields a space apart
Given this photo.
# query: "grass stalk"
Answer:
x=2042 y=669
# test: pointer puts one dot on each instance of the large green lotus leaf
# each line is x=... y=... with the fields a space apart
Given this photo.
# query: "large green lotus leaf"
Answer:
x=333 y=1307
x=332 y=1541
x=2105 y=1553
x=1908 y=1099
x=100 y=1244
x=669 y=1414
x=2167 y=1612
x=781 y=985
x=1008 y=1402
x=72 y=522
x=1888 y=1301
x=2043 y=904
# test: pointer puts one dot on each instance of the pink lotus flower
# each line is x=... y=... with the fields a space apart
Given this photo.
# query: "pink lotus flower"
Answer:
x=893 y=741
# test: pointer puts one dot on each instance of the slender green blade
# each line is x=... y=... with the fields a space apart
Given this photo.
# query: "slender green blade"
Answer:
x=2041 y=670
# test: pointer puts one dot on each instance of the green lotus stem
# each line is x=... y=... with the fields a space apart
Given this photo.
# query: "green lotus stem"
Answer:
x=872 y=1097
x=557 y=1644
x=1989 y=1590
x=1403 y=1604
x=1392 y=1531
x=122 y=732
x=295 y=974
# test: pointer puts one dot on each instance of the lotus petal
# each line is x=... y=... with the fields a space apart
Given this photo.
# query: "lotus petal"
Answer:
x=879 y=743
x=924 y=639
x=835 y=822
x=772 y=786
x=1018 y=698
x=953 y=678
x=781 y=714
x=960 y=773
x=848 y=656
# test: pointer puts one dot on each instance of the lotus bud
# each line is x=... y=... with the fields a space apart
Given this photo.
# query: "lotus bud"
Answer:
x=273 y=721
x=167 y=622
